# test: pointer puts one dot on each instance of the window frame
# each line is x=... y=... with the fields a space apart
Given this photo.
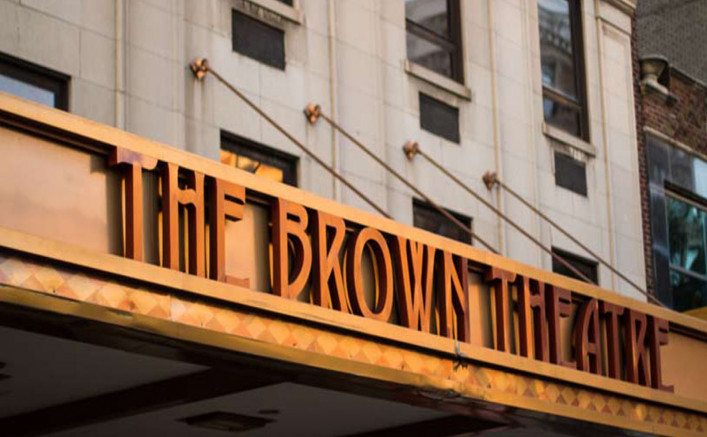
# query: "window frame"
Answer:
x=38 y=76
x=573 y=260
x=262 y=153
x=242 y=49
x=421 y=204
x=580 y=76
x=452 y=45
x=676 y=193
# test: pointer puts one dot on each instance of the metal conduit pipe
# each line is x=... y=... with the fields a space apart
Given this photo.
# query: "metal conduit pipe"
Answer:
x=411 y=149
x=201 y=67
x=314 y=112
x=491 y=179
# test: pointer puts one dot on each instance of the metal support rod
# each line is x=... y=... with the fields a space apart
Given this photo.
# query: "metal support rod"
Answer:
x=200 y=67
x=491 y=179
x=313 y=112
x=412 y=150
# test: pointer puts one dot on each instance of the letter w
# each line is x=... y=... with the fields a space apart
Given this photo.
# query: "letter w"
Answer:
x=414 y=304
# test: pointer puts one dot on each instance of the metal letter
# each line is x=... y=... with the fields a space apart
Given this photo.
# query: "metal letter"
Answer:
x=414 y=304
x=132 y=164
x=384 y=274
x=193 y=199
x=611 y=313
x=499 y=280
x=587 y=341
x=453 y=301
x=658 y=330
x=532 y=317
x=327 y=268
x=227 y=201
x=559 y=305
x=284 y=227
x=635 y=325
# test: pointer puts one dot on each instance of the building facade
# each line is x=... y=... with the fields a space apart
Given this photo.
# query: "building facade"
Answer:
x=673 y=120
x=177 y=256
x=539 y=92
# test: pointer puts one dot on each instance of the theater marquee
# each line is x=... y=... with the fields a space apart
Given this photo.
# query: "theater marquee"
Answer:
x=78 y=194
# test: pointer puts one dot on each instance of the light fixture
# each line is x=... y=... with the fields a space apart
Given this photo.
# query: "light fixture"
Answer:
x=229 y=422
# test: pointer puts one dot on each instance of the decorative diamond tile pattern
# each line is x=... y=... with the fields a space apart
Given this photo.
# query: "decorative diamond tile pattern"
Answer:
x=81 y=286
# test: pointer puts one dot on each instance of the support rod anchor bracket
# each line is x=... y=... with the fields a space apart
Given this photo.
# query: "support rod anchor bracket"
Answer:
x=200 y=67
x=313 y=112
x=490 y=179
x=411 y=148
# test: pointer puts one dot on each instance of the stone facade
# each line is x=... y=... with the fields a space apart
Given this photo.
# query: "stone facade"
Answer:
x=130 y=69
x=675 y=116
x=680 y=26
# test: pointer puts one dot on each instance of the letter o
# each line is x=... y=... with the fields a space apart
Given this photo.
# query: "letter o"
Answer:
x=381 y=254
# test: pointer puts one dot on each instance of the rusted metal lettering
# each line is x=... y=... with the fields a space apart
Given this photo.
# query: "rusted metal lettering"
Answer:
x=500 y=281
x=414 y=271
x=373 y=239
x=132 y=165
x=289 y=225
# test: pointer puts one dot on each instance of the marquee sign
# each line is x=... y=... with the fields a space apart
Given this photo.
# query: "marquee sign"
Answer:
x=412 y=279
x=112 y=203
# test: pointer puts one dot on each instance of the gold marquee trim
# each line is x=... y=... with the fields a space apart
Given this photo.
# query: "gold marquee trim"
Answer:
x=471 y=380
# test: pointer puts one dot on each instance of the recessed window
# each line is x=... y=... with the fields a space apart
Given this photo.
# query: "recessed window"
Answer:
x=33 y=82
x=570 y=173
x=258 y=159
x=687 y=224
x=562 y=63
x=257 y=40
x=434 y=36
x=585 y=266
x=426 y=217
x=439 y=118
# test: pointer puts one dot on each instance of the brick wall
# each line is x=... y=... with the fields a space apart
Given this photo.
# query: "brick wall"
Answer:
x=675 y=29
x=683 y=119
x=642 y=165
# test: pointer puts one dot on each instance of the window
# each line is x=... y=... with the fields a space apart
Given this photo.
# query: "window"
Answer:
x=439 y=118
x=570 y=173
x=257 y=40
x=258 y=159
x=562 y=63
x=687 y=227
x=434 y=36
x=33 y=82
x=585 y=266
x=426 y=217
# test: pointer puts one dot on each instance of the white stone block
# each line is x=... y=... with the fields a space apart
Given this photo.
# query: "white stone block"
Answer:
x=92 y=101
x=49 y=42
x=98 y=59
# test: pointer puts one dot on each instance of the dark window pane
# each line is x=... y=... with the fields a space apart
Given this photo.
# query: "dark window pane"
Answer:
x=689 y=292
x=258 y=159
x=428 y=218
x=33 y=82
x=439 y=118
x=429 y=55
x=558 y=65
x=570 y=174
x=26 y=90
x=586 y=267
x=562 y=117
x=430 y=14
x=257 y=40
x=686 y=230
x=287 y=2
x=681 y=168
x=434 y=36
